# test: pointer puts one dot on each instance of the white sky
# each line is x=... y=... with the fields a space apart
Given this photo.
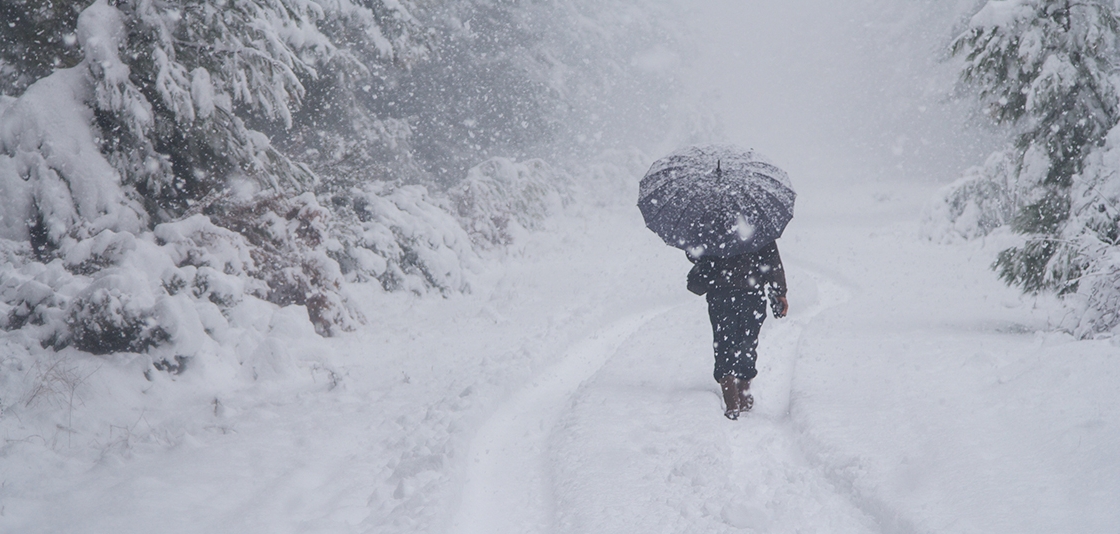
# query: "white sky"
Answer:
x=814 y=83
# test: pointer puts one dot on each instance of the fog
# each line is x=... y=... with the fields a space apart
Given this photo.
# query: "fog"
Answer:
x=839 y=92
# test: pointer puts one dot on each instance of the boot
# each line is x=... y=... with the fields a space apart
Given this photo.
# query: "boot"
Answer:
x=729 y=385
x=746 y=400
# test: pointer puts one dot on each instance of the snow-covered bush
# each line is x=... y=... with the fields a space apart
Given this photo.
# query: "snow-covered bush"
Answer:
x=500 y=197
x=30 y=292
x=405 y=238
x=161 y=176
x=164 y=291
x=288 y=242
x=106 y=317
x=983 y=199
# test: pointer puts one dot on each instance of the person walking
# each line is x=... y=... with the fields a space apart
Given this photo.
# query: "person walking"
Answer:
x=736 y=289
x=726 y=207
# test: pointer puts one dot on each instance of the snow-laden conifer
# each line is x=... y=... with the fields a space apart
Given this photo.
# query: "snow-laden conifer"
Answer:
x=154 y=126
x=1044 y=69
x=166 y=166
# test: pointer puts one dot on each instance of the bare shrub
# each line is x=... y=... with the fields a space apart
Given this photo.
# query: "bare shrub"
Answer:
x=56 y=383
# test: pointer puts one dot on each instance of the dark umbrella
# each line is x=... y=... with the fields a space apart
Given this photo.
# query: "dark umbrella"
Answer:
x=716 y=200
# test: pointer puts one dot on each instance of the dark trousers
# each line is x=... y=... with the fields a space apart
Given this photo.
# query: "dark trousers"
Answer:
x=737 y=316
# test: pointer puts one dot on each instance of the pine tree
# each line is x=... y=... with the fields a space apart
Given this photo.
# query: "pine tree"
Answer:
x=1043 y=67
x=163 y=117
x=146 y=143
x=1093 y=237
x=36 y=38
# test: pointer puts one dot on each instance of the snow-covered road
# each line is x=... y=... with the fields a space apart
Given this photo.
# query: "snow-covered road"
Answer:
x=628 y=420
x=906 y=392
x=874 y=409
x=508 y=489
x=646 y=436
x=512 y=481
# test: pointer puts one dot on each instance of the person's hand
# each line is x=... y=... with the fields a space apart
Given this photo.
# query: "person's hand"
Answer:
x=785 y=307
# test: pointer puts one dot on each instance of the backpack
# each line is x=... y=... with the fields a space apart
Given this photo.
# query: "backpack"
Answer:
x=702 y=276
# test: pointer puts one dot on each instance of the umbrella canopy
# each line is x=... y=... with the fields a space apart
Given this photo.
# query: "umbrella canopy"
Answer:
x=716 y=200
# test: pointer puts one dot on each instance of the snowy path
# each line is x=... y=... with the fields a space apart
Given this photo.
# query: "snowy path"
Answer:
x=575 y=448
x=526 y=473
x=644 y=447
x=574 y=395
x=506 y=489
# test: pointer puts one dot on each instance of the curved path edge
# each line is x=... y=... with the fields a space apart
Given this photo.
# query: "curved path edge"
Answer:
x=506 y=487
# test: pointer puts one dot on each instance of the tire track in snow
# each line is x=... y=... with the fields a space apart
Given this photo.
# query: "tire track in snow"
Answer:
x=782 y=487
x=507 y=489
x=834 y=290
x=644 y=446
x=781 y=342
x=786 y=448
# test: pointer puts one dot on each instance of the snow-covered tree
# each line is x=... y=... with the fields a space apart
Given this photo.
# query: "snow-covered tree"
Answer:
x=1091 y=238
x=545 y=79
x=1046 y=69
x=169 y=156
x=164 y=118
x=213 y=69
x=36 y=37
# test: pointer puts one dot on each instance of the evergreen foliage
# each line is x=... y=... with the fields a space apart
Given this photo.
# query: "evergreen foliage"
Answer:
x=167 y=165
x=1046 y=69
x=36 y=37
x=1043 y=67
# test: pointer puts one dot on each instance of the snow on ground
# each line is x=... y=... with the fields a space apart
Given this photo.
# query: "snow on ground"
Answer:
x=935 y=398
x=908 y=391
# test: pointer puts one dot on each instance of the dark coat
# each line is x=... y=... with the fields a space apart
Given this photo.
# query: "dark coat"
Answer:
x=752 y=272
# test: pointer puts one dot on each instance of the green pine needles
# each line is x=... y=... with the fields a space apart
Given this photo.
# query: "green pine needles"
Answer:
x=1044 y=68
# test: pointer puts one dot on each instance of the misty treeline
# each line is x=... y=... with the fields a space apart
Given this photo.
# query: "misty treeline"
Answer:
x=171 y=170
x=1047 y=71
